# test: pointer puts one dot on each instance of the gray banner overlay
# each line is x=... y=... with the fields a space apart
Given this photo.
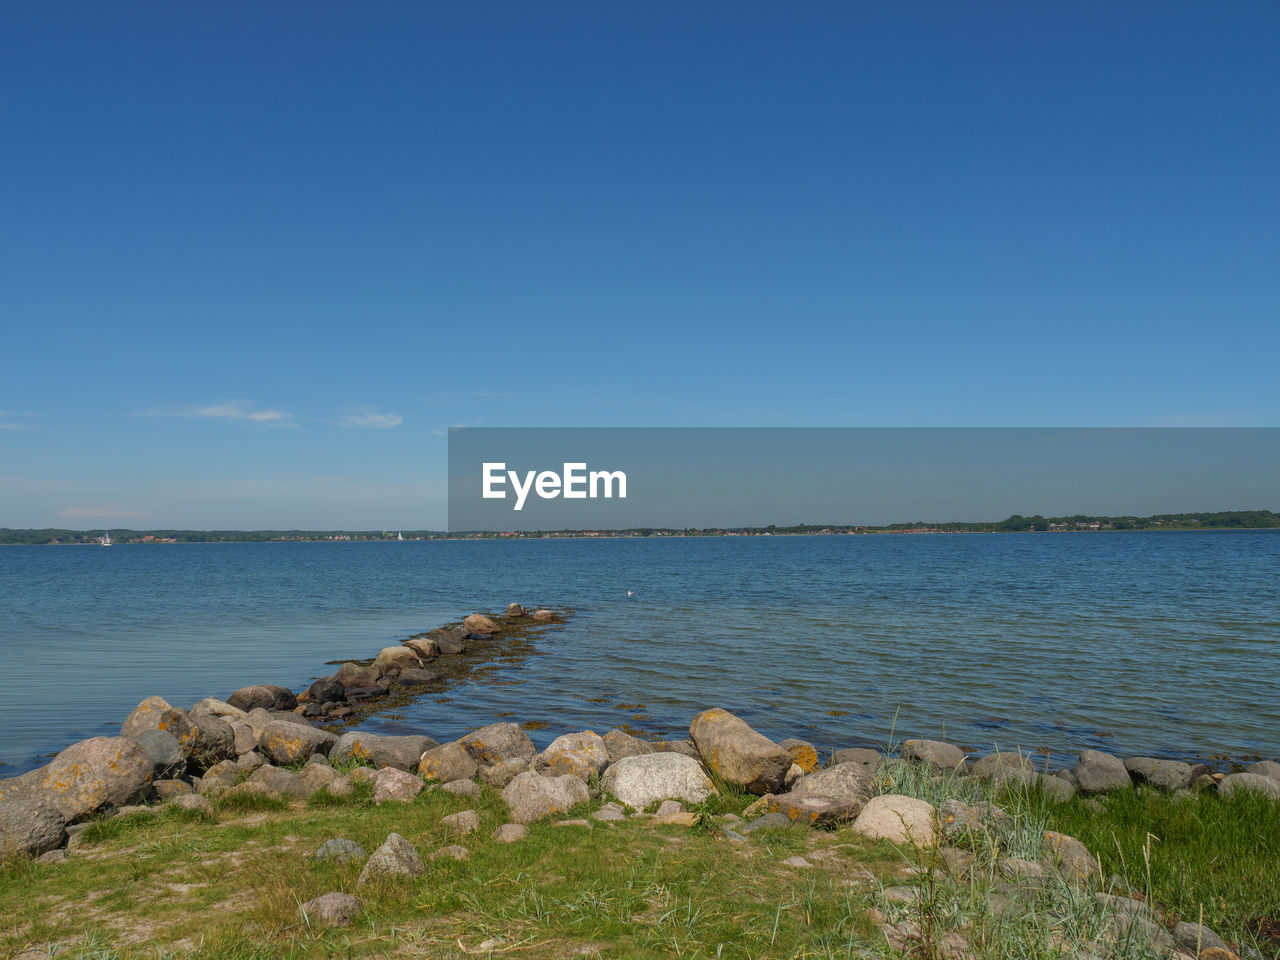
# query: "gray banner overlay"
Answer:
x=575 y=478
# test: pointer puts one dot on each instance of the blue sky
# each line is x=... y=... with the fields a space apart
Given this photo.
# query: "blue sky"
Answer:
x=257 y=259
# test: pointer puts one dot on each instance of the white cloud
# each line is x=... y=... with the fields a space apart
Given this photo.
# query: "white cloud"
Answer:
x=230 y=410
x=369 y=420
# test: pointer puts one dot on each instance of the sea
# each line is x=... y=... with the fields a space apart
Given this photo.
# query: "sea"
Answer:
x=1152 y=643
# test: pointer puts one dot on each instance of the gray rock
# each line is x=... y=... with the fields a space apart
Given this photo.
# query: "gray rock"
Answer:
x=287 y=742
x=738 y=754
x=500 y=774
x=156 y=713
x=391 y=784
x=426 y=648
x=282 y=782
x=462 y=788
x=402 y=753
x=1264 y=768
x=770 y=821
x=397 y=857
x=266 y=696
x=447 y=762
x=193 y=801
x=863 y=756
x=340 y=850
x=531 y=796
x=851 y=781
x=958 y=819
x=510 y=833
x=212 y=707
x=331 y=909
x=341 y=788
x=1165 y=774
x=610 y=813
x=542 y=615
x=944 y=756
x=1099 y=772
x=168 y=789
x=391 y=660
x=648 y=778
x=814 y=809
x=497 y=742
x=1057 y=789
x=620 y=744
x=417 y=676
x=452 y=852
x=987 y=766
x=356 y=675
x=578 y=754
x=168 y=760
x=678 y=746
x=317 y=776
x=898 y=819
x=1249 y=781
x=1197 y=937
x=1066 y=775
x=30 y=827
x=479 y=623
x=327 y=690
x=251 y=761
x=1070 y=857
x=461 y=823
x=214 y=741
x=222 y=776
x=98 y=772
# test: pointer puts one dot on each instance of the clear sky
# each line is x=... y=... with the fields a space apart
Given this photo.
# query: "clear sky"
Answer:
x=255 y=259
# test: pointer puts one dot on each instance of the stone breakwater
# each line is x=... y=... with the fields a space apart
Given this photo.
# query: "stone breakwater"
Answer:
x=269 y=741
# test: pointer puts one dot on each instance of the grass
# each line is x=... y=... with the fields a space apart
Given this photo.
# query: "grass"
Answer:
x=229 y=887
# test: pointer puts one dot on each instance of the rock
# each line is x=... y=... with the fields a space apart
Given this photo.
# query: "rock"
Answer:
x=685 y=747
x=497 y=742
x=168 y=789
x=352 y=674
x=317 y=776
x=985 y=767
x=639 y=781
x=289 y=743
x=331 y=910
x=1071 y=857
x=1012 y=868
x=449 y=761
x=863 y=756
x=935 y=753
x=770 y=821
x=87 y=775
x=462 y=788
x=340 y=850
x=803 y=754
x=397 y=857
x=212 y=707
x=222 y=776
x=531 y=796
x=798 y=862
x=426 y=648
x=510 y=833
x=327 y=690
x=156 y=713
x=1264 y=768
x=357 y=694
x=417 y=676
x=610 y=813
x=578 y=754
x=363 y=775
x=193 y=801
x=814 y=809
x=1099 y=772
x=514 y=610
x=619 y=744
x=214 y=741
x=500 y=774
x=167 y=757
x=479 y=623
x=1068 y=777
x=401 y=752
x=1249 y=781
x=30 y=827
x=251 y=761
x=542 y=615
x=461 y=823
x=245 y=737
x=737 y=753
x=340 y=788
x=450 y=640
x=391 y=660
x=958 y=819
x=898 y=819
x=266 y=696
x=670 y=814
x=1165 y=774
x=850 y=781
x=391 y=783
x=1197 y=937
x=1056 y=789
x=451 y=852
x=1219 y=953
x=282 y=782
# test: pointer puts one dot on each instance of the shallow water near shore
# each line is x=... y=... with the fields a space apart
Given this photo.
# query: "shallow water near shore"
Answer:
x=1154 y=643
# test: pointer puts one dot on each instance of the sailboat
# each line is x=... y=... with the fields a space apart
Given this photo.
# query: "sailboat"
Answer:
x=399 y=536
x=105 y=539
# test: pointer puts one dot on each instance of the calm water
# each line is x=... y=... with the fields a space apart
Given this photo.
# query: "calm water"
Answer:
x=1160 y=643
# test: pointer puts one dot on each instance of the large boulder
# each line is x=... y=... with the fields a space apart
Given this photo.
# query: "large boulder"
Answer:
x=641 y=780
x=357 y=675
x=425 y=648
x=803 y=754
x=1265 y=768
x=397 y=857
x=620 y=744
x=156 y=713
x=85 y=776
x=850 y=781
x=1070 y=857
x=285 y=783
x=743 y=757
x=393 y=784
x=447 y=762
x=577 y=754
x=214 y=740
x=898 y=819
x=288 y=743
x=167 y=757
x=211 y=706
x=935 y=753
x=327 y=690
x=1098 y=772
x=267 y=696
x=391 y=660
x=32 y=827
x=531 y=796
x=449 y=639
x=1253 y=782
x=401 y=752
x=812 y=809
x=1165 y=774
x=497 y=742
x=479 y=623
